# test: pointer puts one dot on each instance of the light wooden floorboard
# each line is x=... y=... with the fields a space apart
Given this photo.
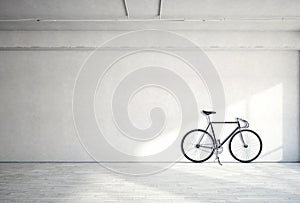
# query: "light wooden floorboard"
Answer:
x=184 y=182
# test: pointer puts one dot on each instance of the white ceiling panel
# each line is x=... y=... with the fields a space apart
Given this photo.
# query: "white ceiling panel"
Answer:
x=143 y=14
x=143 y=8
x=61 y=9
x=231 y=8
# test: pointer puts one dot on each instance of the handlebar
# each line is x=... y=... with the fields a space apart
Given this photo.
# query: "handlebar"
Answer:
x=246 y=124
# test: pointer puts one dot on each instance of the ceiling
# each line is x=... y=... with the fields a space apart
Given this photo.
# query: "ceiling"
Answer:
x=145 y=14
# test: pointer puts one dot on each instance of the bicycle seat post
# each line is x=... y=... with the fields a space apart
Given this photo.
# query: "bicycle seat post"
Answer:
x=208 y=119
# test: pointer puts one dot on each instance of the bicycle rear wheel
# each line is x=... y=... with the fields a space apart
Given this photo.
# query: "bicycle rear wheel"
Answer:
x=197 y=145
x=245 y=146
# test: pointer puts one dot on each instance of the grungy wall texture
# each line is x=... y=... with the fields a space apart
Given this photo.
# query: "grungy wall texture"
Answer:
x=36 y=86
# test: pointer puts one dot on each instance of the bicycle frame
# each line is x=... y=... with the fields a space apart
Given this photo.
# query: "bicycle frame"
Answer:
x=217 y=145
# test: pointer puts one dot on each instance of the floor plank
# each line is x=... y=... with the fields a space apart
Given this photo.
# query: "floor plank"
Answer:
x=188 y=182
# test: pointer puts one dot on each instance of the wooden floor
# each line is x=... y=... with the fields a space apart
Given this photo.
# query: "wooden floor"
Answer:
x=184 y=182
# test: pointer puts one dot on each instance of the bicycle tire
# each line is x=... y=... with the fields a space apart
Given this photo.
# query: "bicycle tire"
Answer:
x=185 y=153
x=235 y=152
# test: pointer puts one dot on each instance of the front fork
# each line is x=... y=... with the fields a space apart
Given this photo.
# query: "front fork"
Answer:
x=241 y=137
x=243 y=141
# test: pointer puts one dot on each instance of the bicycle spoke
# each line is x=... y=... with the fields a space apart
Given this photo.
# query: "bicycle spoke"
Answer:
x=199 y=154
x=195 y=150
x=251 y=152
x=244 y=153
x=189 y=146
x=247 y=154
x=238 y=148
x=192 y=143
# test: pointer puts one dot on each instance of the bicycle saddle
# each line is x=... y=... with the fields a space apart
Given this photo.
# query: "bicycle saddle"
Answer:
x=208 y=112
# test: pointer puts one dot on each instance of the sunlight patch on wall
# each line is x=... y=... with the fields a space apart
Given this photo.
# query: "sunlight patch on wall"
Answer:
x=265 y=112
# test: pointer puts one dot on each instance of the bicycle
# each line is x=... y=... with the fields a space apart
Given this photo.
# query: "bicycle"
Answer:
x=245 y=145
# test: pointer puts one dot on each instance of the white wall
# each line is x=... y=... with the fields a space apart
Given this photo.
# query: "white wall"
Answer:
x=259 y=72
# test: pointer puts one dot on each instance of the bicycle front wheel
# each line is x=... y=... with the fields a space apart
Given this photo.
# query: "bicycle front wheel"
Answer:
x=245 y=146
x=197 y=145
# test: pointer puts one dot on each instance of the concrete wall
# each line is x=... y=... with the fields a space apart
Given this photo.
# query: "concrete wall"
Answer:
x=259 y=72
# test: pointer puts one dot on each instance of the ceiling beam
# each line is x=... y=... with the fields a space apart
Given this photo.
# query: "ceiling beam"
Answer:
x=208 y=19
x=126 y=8
x=212 y=40
x=160 y=8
